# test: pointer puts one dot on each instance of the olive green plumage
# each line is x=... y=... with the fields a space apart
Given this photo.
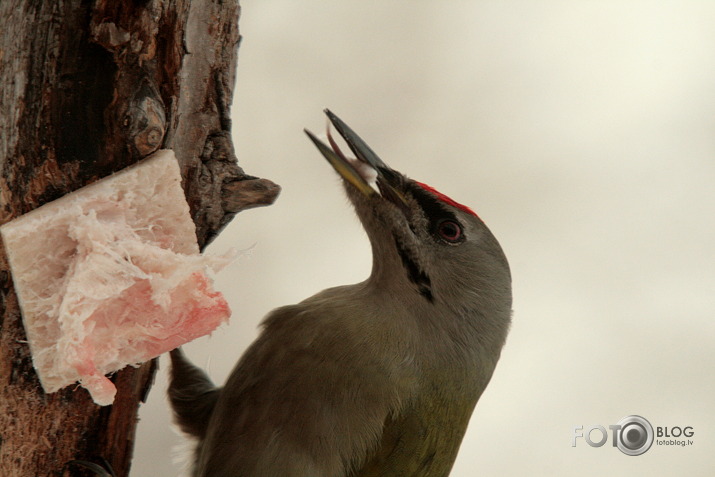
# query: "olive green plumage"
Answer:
x=378 y=378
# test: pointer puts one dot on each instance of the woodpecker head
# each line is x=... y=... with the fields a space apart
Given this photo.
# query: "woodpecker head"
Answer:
x=437 y=250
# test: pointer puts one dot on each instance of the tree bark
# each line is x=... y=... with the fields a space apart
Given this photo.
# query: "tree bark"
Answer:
x=88 y=87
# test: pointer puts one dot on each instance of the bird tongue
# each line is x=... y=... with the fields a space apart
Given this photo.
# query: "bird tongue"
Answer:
x=365 y=170
x=367 y=164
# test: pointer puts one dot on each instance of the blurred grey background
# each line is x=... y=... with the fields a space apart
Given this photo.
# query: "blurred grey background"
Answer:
x=582 y=132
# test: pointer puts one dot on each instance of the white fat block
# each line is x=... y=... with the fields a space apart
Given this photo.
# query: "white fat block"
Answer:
x=110 y=275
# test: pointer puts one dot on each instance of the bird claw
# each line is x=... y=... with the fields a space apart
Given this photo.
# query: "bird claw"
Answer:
x=101 y=471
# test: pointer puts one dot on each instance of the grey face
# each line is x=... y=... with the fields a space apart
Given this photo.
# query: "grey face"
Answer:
x=447 y=252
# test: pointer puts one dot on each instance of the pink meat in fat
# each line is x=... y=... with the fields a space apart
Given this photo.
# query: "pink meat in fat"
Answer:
x=110 y=276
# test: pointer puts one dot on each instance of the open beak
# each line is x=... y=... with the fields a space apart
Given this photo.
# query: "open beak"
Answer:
x=367 y=172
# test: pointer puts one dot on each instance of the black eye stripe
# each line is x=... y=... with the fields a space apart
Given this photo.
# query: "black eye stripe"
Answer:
x=434 y=209
x=436 y=212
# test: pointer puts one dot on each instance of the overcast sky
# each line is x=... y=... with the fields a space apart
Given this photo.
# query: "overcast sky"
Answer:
x=582 y=132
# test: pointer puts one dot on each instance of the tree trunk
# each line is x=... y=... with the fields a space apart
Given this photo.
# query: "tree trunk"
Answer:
x=88 y=87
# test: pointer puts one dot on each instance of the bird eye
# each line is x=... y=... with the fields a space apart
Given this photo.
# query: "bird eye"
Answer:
x=450 y=231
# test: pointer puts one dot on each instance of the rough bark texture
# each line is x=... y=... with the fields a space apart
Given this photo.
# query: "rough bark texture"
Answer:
x=88 y=87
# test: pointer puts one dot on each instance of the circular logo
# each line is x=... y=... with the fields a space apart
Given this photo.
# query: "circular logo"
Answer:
x=635 y=435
